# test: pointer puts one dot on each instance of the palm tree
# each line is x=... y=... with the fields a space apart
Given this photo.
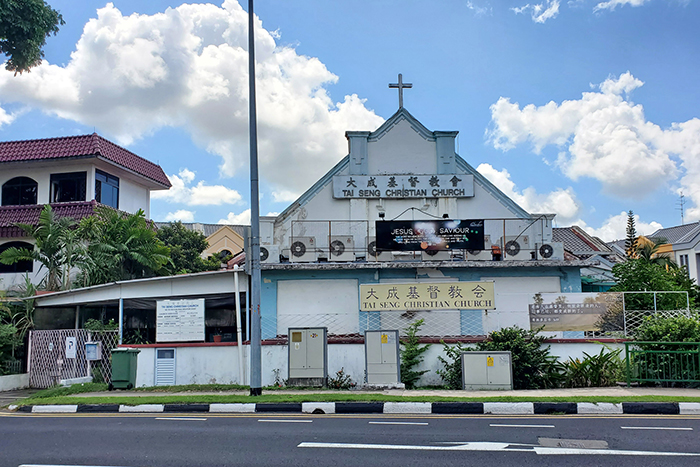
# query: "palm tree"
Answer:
x=648 y=250
x=54 y=248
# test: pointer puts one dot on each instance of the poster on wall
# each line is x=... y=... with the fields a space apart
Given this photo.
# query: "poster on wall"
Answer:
x=427 y=296
x=180 y=320
x=576 y=311
x=443 y=234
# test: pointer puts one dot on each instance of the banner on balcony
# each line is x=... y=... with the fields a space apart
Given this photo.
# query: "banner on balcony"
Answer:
x=427 y=296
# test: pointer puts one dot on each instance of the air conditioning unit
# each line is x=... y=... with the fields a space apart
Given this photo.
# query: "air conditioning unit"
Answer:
x=436 y=255
x=373 y=254
x=480 y=255
x=517 y=248
x=303 y=250
x=342 y=248
x=550 y=251
x=269 y=253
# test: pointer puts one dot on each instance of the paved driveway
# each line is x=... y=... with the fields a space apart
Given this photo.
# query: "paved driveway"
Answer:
x=10 y=397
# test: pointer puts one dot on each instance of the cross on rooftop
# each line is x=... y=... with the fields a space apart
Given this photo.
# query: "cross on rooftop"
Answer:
x=400 y=86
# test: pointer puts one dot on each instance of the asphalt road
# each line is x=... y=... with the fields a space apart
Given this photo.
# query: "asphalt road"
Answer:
x=333 y=440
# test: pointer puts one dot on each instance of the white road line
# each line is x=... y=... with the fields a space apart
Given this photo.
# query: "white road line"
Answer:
x=674 y=428
x=180 y=418
x=397 y=423
x=520 y=426
x=284 y=421
x=56 y=465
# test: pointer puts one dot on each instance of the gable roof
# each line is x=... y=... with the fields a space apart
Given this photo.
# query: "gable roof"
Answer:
x=678 y=234
x=84 y=146
x=11 y=215
x=576 y=240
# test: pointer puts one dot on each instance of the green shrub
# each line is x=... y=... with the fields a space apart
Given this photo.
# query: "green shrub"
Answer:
x=341 y=380
x=412 y=355
x=680 y=328
x=601 y=370
x=451 y=372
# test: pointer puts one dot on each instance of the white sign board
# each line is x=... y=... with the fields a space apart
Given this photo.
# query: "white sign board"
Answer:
x=71 y=347
x=180 y=320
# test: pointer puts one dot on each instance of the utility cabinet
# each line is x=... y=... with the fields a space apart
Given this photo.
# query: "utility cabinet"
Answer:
x=487 y=370
x=308 y=356
x=382 y=357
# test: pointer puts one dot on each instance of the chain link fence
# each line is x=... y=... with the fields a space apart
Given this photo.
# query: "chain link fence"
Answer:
x=48 y=364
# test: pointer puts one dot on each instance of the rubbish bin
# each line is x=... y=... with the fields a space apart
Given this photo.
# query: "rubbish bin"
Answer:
x=124 y=368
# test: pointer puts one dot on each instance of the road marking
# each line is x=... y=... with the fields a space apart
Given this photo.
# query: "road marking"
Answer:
x=398 y=423
x=520 y=426
x=496 y=447
x=180 y=418
x=284 y=421
x=56 y=465
x=674 y=428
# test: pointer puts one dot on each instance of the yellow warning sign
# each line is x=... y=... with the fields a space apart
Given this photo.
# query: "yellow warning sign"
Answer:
x=489 y=361
x=385 y=339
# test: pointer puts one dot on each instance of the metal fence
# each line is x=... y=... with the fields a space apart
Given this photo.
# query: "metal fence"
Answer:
x=664 y=363
x=48 y=364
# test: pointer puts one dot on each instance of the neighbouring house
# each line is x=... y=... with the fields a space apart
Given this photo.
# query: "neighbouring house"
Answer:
x=73 y=174
x=682 y=243
x=223 y=239
x=580 y=245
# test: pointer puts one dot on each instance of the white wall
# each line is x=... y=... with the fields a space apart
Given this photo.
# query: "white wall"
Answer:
x=12 y=382
x=133 y=196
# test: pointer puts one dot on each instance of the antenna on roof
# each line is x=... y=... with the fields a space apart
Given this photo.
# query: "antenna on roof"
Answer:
x=681 y=206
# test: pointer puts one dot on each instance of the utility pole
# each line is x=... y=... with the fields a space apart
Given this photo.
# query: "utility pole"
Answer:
x=255 y=278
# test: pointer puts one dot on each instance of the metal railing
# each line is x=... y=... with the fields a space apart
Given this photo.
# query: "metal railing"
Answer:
x=662 y=362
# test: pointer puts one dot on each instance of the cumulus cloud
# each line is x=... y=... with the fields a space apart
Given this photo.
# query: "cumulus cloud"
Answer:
x=200 y=194
x=540 y=12
x=612 y=4
x=615 y=227
x=284 y=196
x=239 y=219
x=181 y=215
x=607 y=137
x=187 y=67
x=561 y=201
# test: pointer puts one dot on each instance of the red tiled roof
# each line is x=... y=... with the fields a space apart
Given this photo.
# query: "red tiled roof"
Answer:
x=81 y=146
x=11 y=215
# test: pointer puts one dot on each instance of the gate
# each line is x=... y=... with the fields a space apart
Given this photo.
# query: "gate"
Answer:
x=48 y=364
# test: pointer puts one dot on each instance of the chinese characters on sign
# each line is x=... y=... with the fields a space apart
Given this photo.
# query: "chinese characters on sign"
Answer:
x=572 y=312
x=180 y=320
x=427 y=296
x=403 y=186
x=450 y=234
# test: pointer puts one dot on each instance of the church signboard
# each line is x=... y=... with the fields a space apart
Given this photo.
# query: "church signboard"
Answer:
x=427 y=296
x=430 y=235
x=403 y=186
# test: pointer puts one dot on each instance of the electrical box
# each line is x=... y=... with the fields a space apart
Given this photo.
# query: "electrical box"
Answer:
x=382 y=357
x=487 y=370
x=93 y=351
x=308 y=356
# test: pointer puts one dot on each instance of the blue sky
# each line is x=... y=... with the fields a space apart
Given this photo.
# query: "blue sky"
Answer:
x=582 y=108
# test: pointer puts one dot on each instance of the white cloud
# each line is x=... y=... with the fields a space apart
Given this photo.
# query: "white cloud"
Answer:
x=284 y=196
x=562 y=202
x=606 y=137
x=480 y=10
x=182 y=215
x=239 y=219
x=199 y=195
x=612 y=4
x=540 y=12
x=615 y=227
x=272 y=214
x=187 y=67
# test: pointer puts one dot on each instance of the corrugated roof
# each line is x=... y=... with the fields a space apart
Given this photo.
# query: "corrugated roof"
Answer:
x=11 y=215
x=576 y=240
x=81 y=146
x=677 y=234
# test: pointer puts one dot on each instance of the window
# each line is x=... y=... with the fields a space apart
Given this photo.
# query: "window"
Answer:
x=106 y=189
x=68 y=187
x=19 y=191
x=22 y=266
x=684 y=260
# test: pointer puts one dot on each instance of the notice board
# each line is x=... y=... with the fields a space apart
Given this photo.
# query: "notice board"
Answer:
x=180 y=320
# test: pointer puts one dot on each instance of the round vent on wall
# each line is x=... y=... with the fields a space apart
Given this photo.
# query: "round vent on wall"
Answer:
x=512 y=248
x=298 y=249
x=431 y=252
x=337 y=248
x=264 y=254
x=546 y=251
x=372 y=249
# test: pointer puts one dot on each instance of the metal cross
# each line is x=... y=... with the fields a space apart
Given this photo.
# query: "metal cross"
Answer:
x=400 y=86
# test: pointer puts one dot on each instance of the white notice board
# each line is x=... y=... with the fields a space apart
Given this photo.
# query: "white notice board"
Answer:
x=180 y=320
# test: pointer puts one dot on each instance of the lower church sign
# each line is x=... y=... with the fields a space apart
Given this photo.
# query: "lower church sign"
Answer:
x=427 y=296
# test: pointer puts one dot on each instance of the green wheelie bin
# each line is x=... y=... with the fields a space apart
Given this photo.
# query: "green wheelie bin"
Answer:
x=124 y=368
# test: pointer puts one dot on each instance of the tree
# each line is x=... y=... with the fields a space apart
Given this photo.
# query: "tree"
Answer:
x=24 y=27
x=631 y=240
x=186 y=247
x=120 y=246
x=55 y=248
